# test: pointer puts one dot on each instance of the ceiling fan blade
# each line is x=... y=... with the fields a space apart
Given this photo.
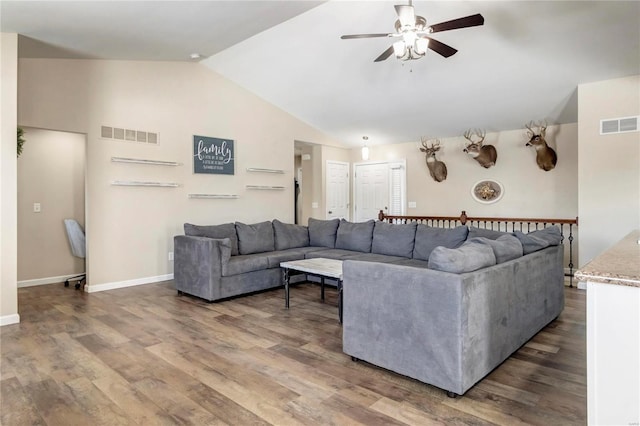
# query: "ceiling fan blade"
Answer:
x=384 y=55
x=441 y=48
x=406 y=15
x=345 y=37
x=454 y=24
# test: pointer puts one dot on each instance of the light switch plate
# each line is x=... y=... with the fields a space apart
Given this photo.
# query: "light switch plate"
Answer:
x=314 y=205
x=36 y=208
x=412 y=204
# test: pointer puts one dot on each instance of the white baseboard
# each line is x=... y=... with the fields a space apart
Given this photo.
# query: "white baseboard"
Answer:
x=9 y=319
x=128 y=283
x=47 y=280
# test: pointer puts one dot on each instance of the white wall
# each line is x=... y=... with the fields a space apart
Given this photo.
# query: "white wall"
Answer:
x=130 y=230
x=528 y=190
x=8 y=191
x=51 y=172
x=609 y=172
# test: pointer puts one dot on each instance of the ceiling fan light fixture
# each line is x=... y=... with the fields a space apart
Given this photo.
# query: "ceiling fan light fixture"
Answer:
x=421 y=46
x=399 y=48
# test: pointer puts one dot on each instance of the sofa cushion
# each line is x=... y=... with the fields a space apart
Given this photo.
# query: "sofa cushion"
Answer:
x=485 y=233
x=428 y=238
x=537 y=240
x=338 y=254
x=394 y=239
x=322 y=233
x=255 y=238
x=375 y=257
x=415 y=263
x=226 y=230
x=505 y=248
x=355 y=236
x=245 y=263
x=469 y=257
x=288 y=235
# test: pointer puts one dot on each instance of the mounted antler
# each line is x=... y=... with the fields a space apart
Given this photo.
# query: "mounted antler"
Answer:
x=485 y=155
x=546 y=157
x=437 y=169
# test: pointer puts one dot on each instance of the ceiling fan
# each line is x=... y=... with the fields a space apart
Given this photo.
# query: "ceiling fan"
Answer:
x=414 y=34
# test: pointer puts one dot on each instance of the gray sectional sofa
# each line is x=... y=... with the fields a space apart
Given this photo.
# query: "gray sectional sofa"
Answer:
x=444 y=306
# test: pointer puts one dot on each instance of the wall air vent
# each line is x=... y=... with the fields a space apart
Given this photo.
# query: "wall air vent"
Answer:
x=619 y=125
x=129 y=135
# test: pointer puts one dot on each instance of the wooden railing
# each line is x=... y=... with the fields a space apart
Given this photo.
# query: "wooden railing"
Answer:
x=504 y=224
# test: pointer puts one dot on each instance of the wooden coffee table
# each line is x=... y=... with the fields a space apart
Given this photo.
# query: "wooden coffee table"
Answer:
x=319 y=267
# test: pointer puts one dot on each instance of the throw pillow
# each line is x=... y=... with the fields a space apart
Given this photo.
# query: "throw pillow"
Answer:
x=485 y=233
x=355 y=236
x=288 y=235
x=394 y=239
x=255 y=238
x=505 y=248
x=226 y=230
x=469 y=257
x=322 y=233
x=537 y=240
x=428 y=238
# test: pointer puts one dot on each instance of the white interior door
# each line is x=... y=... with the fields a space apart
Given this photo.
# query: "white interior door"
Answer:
x=337 y=187
x=372 y=190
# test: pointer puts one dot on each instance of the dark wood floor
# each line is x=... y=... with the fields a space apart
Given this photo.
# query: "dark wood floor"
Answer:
x=144 y=355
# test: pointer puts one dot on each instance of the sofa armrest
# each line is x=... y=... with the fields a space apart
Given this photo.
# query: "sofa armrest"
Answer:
x=404 y=319
x=198 y=263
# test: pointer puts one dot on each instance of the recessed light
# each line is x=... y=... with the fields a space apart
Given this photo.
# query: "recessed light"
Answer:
x=195 y=56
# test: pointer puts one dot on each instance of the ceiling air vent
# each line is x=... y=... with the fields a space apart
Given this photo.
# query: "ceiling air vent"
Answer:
x=129 y=135
x=619 y=125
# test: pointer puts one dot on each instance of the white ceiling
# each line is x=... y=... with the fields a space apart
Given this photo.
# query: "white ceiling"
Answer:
x=525 y=63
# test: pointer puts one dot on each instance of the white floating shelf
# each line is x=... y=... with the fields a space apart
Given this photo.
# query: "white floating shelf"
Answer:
x=144 y=183
x=214 y=196
x=258 y=170
x=267 y=187
x=143 y=161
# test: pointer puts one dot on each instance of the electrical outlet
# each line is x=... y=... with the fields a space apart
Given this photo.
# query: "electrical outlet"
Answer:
x=412 y=204
x=36 y=208
x=314 y=205
x=170 y=255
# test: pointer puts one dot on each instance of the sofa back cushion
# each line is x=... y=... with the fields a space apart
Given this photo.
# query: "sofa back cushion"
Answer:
x=537 y=240
x=289 y=236
x=394 y=239
x=255 y=238
x=469 y=257
x=428 y=238
x=226 y=230
x=322 y=233
x=355 y=236
x=505 y=248
x=485 y=233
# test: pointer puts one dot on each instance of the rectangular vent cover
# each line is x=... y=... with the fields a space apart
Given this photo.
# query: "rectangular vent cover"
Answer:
x=129 y=135
x=619 y=125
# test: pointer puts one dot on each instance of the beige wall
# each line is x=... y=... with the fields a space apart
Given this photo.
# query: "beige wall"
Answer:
x=609 y=172
x=528 y=190
x=8 y=191
x=130 y=229
x=50 y=172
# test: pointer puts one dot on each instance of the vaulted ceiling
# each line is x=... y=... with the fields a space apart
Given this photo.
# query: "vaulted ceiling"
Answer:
x=525 y=63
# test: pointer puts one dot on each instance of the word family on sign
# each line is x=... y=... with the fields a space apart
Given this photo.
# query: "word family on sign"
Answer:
x=213 y=155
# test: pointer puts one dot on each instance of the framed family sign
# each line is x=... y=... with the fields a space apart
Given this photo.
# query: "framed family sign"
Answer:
x=213 y=155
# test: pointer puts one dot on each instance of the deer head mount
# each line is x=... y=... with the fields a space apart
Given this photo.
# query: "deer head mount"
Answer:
x=545 y=155
x=486 y=155
x=437 y=169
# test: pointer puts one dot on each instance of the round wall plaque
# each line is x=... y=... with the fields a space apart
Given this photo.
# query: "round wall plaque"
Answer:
x=487 y=191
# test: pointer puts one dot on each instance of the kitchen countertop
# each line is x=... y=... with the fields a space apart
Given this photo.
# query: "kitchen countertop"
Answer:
x=619 y=265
